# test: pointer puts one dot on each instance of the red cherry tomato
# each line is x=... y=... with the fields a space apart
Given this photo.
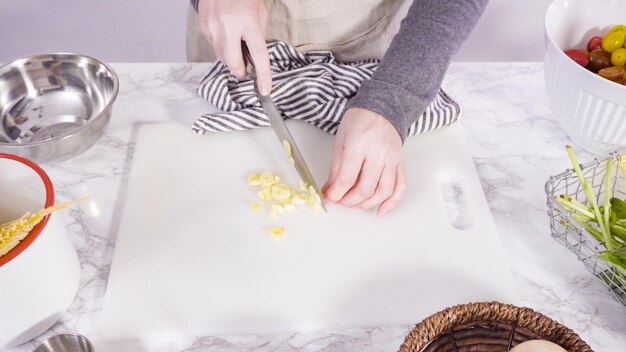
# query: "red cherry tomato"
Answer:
x=579 y=56
x=613 y=73
x=594 y=43
x=599 y=59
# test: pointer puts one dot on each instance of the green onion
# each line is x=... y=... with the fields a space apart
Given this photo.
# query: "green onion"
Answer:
x=611 y=217
x=591 y=199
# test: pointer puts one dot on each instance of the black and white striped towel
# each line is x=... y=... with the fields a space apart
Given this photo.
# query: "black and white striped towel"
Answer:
x=311 y=87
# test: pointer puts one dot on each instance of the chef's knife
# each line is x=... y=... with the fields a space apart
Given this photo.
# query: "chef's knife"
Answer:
x=279 y=126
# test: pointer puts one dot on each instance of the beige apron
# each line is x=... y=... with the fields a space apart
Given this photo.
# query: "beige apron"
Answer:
x=351 y=29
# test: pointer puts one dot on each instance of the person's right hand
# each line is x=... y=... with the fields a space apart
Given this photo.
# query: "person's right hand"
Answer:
x=225 y=23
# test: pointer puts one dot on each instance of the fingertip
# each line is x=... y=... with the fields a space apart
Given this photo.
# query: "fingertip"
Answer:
x=326 y=198
x=333 y=195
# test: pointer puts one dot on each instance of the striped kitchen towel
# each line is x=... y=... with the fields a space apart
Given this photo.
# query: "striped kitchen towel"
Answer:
x=313 y=87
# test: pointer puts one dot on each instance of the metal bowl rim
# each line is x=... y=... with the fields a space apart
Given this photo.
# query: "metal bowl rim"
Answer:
x=107 y=107
x=79 y=336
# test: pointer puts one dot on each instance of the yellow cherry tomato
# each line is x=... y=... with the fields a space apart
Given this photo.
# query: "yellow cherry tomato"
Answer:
x=618 y=28
x=618 y=57
x=613 y=41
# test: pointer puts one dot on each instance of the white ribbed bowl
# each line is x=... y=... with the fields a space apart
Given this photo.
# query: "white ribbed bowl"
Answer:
x=591 y=109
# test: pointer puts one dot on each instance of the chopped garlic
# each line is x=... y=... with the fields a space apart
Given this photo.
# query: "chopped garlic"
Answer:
x=265 y=194
x=287 y=147
x=280 y=197
x=267 y=179
x=281 y=192
x=300 y=199
x=314 y=197
x=277 y=232
x=274 y=214
x=253 y=179
x=277 y=208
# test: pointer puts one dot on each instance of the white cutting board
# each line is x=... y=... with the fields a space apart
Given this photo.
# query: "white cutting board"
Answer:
x=193 y=258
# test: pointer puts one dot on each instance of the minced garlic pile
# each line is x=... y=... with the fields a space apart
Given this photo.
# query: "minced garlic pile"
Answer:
x=280 y=198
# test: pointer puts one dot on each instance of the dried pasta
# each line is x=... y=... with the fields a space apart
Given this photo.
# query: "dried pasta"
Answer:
x=13 y=232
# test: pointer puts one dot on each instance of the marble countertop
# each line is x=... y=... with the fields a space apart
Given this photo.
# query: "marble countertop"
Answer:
x=515 y=142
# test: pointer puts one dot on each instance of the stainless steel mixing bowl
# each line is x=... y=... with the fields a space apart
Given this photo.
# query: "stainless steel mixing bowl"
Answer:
x=66 y=343
x=54 y=106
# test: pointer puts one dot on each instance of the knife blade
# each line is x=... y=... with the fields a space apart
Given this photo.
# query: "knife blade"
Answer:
x=280 y=127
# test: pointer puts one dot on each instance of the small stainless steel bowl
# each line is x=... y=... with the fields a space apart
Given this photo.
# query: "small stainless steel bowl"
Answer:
x=66 y=343
x=54 y=106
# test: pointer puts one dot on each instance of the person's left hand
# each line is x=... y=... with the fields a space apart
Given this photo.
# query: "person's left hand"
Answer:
x=367 y=169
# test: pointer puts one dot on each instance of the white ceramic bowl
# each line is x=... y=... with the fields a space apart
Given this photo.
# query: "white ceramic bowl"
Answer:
x=591 y=109
x=39 y=278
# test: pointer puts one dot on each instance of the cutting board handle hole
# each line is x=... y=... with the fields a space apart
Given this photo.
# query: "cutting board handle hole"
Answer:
x=456 y=205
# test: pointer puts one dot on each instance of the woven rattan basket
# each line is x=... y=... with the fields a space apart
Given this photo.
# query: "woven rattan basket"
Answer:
x=487 y=327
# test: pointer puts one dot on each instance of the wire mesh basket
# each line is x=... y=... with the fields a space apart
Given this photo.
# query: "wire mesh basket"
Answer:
x=570 y=233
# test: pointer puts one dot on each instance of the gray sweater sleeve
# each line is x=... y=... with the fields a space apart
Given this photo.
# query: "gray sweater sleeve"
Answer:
x=410 y=75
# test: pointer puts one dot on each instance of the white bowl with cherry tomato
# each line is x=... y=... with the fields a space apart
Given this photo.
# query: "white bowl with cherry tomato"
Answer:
x=585 y=73
x=604 y=55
